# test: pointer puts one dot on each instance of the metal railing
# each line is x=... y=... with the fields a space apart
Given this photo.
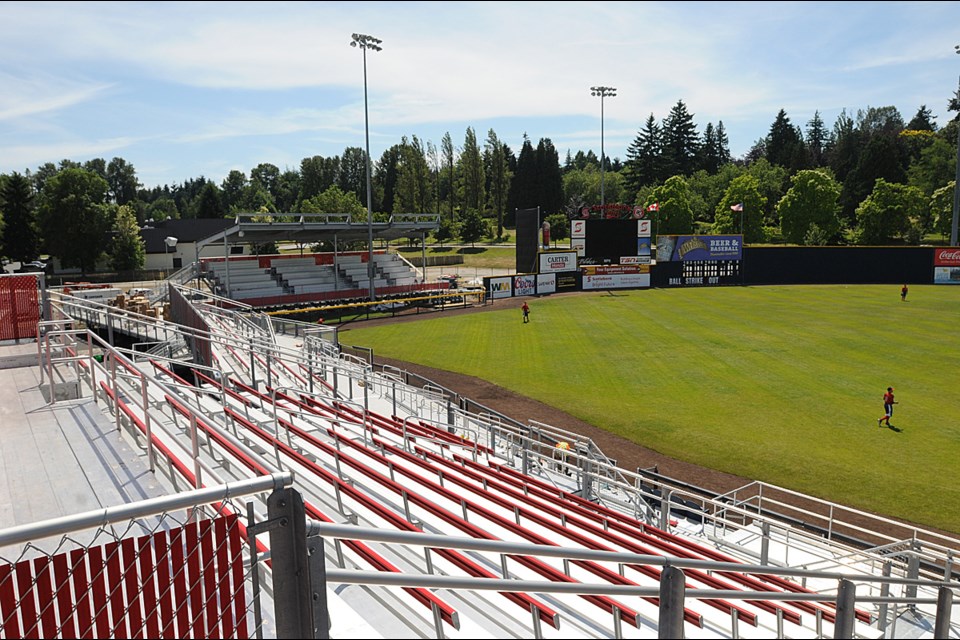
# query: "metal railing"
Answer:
x=914 y=559
x=171 y=566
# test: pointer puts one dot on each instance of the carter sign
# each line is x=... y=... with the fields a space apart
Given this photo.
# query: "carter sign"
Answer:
x=558 y=261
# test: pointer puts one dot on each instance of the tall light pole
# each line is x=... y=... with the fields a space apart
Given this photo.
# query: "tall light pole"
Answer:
x=956 y=183
x=603 y=92
x=368 y=42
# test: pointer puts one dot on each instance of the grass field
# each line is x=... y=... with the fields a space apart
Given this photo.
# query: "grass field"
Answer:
x=780 y=384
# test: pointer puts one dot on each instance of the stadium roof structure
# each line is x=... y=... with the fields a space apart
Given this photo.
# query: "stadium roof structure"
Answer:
x=306 y=228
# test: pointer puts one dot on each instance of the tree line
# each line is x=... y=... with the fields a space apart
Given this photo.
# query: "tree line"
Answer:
x=870 y=178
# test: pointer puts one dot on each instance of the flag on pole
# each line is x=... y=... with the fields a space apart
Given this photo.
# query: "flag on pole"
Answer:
x=654 y=207
x=737 y=207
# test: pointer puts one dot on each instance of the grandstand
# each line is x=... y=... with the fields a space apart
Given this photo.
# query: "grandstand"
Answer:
x=276 y=280
x=428 y=515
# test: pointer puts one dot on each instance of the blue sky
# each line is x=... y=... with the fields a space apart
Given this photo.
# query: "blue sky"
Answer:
x=189 y=89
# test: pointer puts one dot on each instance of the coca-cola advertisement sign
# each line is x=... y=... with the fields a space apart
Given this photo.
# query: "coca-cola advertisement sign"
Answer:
x=949 y=257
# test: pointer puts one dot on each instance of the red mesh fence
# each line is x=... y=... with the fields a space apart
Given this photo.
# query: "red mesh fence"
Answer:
x=19 y=307
x=184 y=582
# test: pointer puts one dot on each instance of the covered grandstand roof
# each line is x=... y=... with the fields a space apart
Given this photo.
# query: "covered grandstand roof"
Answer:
x=311 y=228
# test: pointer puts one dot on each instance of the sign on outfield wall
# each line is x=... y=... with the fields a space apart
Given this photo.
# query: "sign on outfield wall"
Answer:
x=558 y=261
x=525 y=285
x=623 y=276
x=685 y=248
x=578 y=245
x=578 y=228
x=643 y=228
x=501 y=287
x=946 y=266
x=546 y=283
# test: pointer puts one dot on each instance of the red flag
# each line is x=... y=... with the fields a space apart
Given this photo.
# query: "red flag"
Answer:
x=654 y=207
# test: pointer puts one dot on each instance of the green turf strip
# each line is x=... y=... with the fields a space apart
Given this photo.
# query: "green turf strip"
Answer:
x=780 y=384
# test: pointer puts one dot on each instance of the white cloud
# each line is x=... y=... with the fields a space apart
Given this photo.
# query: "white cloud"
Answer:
x=206 y=73
x=23 y=97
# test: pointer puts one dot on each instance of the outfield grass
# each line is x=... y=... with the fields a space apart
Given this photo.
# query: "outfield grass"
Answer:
x=780 y=384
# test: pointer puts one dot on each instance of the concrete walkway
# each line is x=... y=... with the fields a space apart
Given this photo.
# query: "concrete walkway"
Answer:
x=61 y=459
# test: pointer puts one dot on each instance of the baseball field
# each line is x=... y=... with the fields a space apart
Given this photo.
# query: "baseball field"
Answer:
x=780 y=384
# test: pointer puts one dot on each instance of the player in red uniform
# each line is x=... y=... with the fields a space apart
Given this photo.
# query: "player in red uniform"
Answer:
x=888 y=403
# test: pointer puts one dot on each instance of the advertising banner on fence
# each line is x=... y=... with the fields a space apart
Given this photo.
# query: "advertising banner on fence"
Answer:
x=946 y=266
x=500 y=287
x=546 y=283
x=569 y=281
x=688 y=248
x=578 y=245
x=558 y=261
x=643 y=228
x=525 y=285
x=622 y=276
x=578 y=228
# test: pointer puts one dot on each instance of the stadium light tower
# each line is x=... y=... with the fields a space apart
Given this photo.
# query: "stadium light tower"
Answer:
x=368 y=42
x=956 y=184
x=603 y=92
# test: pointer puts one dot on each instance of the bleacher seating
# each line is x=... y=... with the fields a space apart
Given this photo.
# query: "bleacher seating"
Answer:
x=371 y=450
x=247 y=280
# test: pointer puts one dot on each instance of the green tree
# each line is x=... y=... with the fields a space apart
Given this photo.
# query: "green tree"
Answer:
x=473 y=227
x=267 y=176
x=785 y=146
x=449 y=161
x=287 y=191
x=525 y=189
x=386 y=174
x=880 y=159
x=232 y=189
x=74 y=217
x=335 y=200
x=472 y=178
x=127 y=251
x=414 y=193
x=94 y=165
x=208 y=203
x=317 y=174
x=812 y=201
x=353 y=173
x=845 y=152
x=21 y=235
x=559 y=226
x=707 y=190
x=941 y=209
x=935 y=164
x=923 y=120
x=675 y=215
x=42 y=174
x=887 y=212
x=163 y=208
x=447 y=230
x=709 y=155
x=254 y=199
x=772 y=181
x=582 y=185
x=549 y=179
x=818 y=141
x=498 y=177
x=122 y=178
x=643 y=166
x=680 y=141
x=744 y=191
